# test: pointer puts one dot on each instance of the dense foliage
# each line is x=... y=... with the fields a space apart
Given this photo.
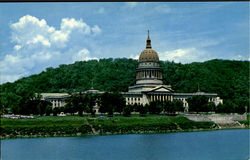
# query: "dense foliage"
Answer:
x=80 y=103
x=198 y=104
x=229 y=79
x=111 y=102
x=173 y=106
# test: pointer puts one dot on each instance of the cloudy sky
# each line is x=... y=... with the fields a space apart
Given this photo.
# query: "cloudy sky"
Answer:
x=34 y=36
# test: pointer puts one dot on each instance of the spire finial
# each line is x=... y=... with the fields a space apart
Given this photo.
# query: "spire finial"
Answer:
x=148 y=44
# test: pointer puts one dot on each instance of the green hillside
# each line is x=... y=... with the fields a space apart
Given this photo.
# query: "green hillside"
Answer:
x=230 y=79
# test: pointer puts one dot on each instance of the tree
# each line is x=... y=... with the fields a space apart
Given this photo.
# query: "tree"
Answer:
x=90 y=103
x=48 y=110
x=173 y=106
x=136 y=107
x=242 y=105
x=210 y=106
x=42 y=105
x=55 y=111
x=143 y=110
x=240 y=109
x=178 y=106
x=118 y=102
x=111 y=102
x=110 y=110
x=79 y=101
x=155 y=107
x=197 y=104
x=168 y=107
x=104 y=101
x=230 y=107
x=9 y=102
x=227 y=107
x=220 y=108
x=69 y=107
x=127 y=110
x=80 y=108
x=229 y=79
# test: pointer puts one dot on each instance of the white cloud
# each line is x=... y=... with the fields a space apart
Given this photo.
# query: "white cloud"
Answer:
x=201 y=42
x=186 y=55
x=134 y=56
x=82 y=55
x=96 y=30
x=14 y=65
x=59 y=38
x=27 y=28
x=38 y=46
x=68 y=25
x=27 y=20
x=42 y=56
x=182 y=55
x=238 y=57
x=131 y=4
x=101 y=10
x=163 y=8
x=10 y=78
x=30 y=30
x=40 y=39
x=17 y=47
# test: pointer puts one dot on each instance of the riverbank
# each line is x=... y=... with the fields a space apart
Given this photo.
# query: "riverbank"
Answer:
x=79 y=126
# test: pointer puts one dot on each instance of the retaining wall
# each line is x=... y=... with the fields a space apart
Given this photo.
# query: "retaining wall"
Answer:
x=218 y=118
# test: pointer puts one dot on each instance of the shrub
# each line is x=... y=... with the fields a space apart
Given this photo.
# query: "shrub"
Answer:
x=127 y=111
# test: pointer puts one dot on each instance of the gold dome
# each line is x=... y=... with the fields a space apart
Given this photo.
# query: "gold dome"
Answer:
x=149 y=55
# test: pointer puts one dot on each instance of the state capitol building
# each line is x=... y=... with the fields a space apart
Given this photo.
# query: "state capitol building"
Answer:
x=148 y=87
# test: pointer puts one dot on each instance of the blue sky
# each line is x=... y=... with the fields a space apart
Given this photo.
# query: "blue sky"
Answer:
x=34 y=36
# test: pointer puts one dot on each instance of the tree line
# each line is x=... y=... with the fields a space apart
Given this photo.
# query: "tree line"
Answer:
x=113 y=102
x=229 y=79
x=110 y=103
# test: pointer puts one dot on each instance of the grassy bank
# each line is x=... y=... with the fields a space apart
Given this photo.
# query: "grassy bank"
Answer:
x=86 y=125
x=246 y=122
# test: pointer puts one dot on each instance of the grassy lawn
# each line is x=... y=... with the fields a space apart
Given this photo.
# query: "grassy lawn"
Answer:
x=71 y=125
x=78 y=121
x=247 y=121
x=72 y=120
x=43 y=121
x=44 y=126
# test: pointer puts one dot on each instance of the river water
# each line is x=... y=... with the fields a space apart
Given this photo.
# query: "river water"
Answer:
x=208 y=145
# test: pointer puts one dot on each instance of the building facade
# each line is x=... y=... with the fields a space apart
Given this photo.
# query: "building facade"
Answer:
x=56 y=99
x=149 y=85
